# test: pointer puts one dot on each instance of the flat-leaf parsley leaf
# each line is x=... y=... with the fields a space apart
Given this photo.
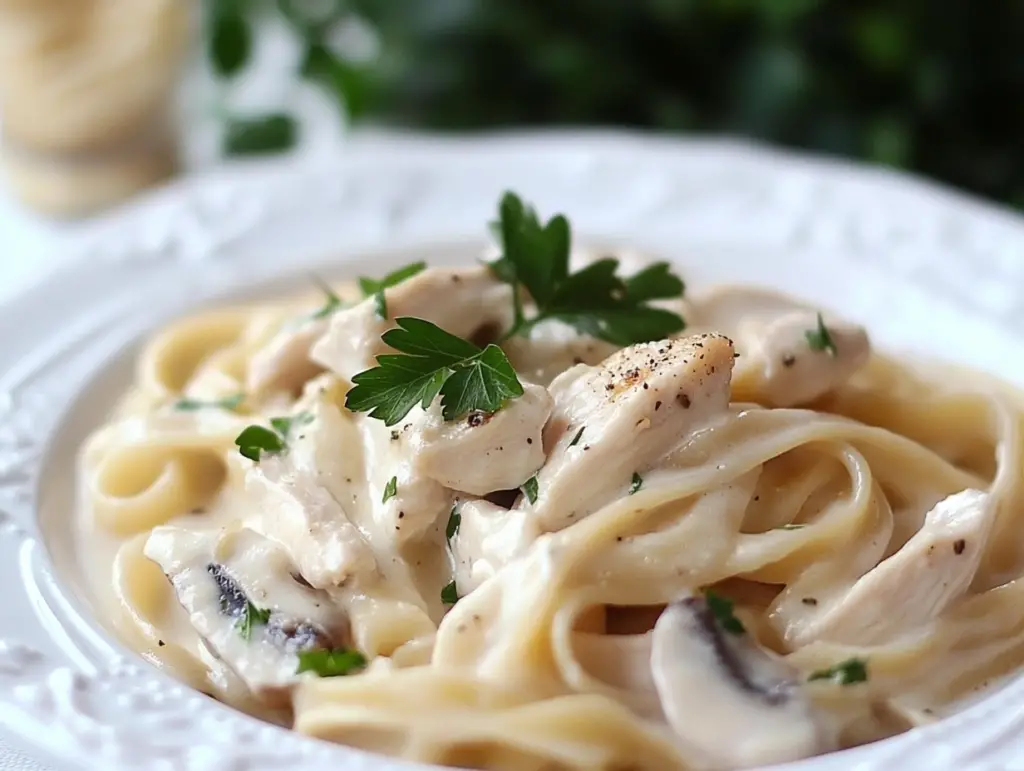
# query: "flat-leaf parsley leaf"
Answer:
x=847 y=672
x=250 y=618
x=594 y=300
x=331 y=663
x=531 y=488
x=820 y=339
x=431 y=362
x=372 y=287
x=390 y=490
x=255 y=441
x=721 y=609
x=450 y=594
x=229 y=403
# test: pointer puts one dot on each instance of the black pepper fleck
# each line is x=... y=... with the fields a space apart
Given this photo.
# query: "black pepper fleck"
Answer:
x=394 y=436
x=657 y=406
x=646 y=386
x=788 y=360
x=476 y=418
x=160 y=643
x=959 y=545
x=401 y=515
x=529 y=440
x=809 y=601
x=684 y=401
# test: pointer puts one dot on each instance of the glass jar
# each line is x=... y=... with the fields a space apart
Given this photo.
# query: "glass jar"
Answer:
x=88 y=98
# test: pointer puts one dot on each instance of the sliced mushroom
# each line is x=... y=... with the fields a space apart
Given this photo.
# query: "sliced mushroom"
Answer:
x=482 y=453
x=463 y=301
x=731 y=703
x=228 y=584
x=913 y=586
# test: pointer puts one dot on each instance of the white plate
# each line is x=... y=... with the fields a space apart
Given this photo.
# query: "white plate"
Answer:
x=927 y=270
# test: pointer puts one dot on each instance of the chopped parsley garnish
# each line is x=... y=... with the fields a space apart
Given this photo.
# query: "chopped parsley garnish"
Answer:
x=331 y=663
x=229 y=403
x=847 y=672
x=576 y=439
x=450 y=595
x=390 y=489
x=255 y=441
x=332 y=303
x=531 y=488
x=431 y=362
x=721 y=609
x=454 y=520
x=372 y=287
x=594 y=300
x=820 y=339
x=251 y=617
x=636 y=484
x=284 y=426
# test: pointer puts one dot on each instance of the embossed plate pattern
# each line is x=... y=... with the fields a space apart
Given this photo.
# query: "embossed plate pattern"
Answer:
x=928 y=270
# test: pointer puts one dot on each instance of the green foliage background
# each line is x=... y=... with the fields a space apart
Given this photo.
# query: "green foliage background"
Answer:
x=936 y=86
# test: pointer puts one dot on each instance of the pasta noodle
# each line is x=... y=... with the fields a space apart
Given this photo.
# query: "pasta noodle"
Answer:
x=865 y=533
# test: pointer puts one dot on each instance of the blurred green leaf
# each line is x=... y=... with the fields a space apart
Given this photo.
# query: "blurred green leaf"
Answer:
x=230 y=40
x=347 y=83
x=260 y=135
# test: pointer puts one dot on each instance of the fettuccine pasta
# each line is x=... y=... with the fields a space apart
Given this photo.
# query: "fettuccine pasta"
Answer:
x=755 y=541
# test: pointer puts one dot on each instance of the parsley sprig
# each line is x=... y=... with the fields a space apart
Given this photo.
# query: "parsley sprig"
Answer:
x=255 y=441
x=372 y=287
x=849 y=672
x=722 y=609
x=331 y=663
x=820 y=339
x=594 y=300
x=229 y=403
x=250 y=618
x=431 y=362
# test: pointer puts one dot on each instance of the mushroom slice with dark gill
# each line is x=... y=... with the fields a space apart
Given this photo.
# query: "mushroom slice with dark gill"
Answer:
x=247 y=604
x=731 y=703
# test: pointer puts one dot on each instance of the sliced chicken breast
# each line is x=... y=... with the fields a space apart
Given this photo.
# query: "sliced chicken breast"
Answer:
x=912 y=587
x=292 y=502
x=284 y=363
x=467 y=302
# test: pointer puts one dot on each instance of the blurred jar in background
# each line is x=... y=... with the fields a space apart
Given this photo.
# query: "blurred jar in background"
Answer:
x=87 y=98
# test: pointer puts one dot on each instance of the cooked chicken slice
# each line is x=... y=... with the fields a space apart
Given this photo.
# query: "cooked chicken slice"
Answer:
x=731 y=703
x=913 y=586
x=467 y=302
x=481 y=453
x=632 y=409
x=791 y=368
x=292 y=500
x=284 y=363
x=609 y=422
x=552 y=348
x=406 y=503
x=489 y=536
x=784 y=358
x=245 y=601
